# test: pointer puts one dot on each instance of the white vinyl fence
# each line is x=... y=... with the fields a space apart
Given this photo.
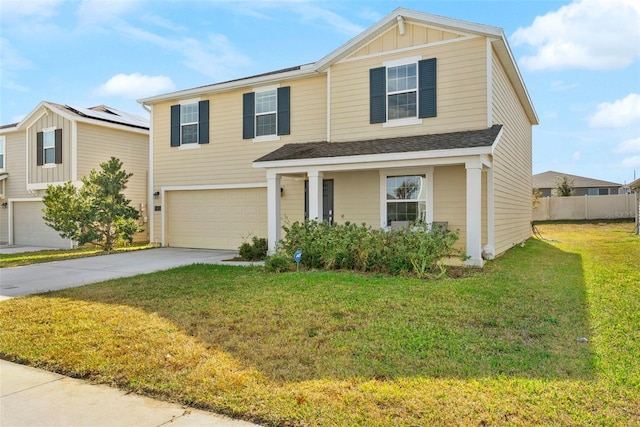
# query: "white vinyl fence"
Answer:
x=586 y=207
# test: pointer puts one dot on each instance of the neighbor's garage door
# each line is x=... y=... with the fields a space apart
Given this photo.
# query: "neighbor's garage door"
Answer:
x=215 y=219
x=29 y=228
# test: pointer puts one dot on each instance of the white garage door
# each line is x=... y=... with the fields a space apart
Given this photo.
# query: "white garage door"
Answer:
x=215 y=219
x=29 y=228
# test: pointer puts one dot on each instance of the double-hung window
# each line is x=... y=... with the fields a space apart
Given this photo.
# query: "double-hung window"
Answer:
x=49 y=147
x=406 y=199
x=266 y=113
x=403 y=92
x=190 y=123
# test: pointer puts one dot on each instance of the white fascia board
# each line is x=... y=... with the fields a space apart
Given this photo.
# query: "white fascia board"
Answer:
x=497 y=140
x=222 y=87
x=10 y=129
x=511 y=68
x=331 y=162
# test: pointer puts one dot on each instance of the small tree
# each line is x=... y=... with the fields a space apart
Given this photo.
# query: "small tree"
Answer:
x=535 y=198
x=97 y=212
x=563 y=187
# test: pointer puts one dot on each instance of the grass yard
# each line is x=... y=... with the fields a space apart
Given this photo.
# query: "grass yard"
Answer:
x=498 y=347
x=48 y=255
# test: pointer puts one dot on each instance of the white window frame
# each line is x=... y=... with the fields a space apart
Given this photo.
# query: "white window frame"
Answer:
x=184 y=104
x=426 y=192
x=48 y=131
x=405 y=121
x=269 y=137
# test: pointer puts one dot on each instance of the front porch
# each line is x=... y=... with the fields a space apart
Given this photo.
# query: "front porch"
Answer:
x=396 y=180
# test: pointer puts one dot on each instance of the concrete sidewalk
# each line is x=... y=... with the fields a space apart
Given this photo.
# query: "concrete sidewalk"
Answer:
x=33 y=397
x=50 y=276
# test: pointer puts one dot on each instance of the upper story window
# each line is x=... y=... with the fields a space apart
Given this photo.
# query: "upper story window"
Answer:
x=2 y=151
x=402 y=88
x=49 y=147
x=403 y=92
x=266 y=113
x=190 y=123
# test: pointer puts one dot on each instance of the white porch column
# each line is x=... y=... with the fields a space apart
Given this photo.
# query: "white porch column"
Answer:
x=315 y=195
x=474 y=213
x=274 y=225
x=489 y=249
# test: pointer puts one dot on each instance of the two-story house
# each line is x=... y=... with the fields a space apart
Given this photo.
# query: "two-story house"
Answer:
x=419 y=117
x=55 y=144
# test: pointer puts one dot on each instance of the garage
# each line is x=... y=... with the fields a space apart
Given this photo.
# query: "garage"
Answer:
x=29 y=228
x=215 y=219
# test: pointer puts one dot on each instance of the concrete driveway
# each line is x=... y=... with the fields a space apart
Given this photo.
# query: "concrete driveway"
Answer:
x=31 y=279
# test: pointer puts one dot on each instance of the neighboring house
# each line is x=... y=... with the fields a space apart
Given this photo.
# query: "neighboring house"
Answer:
x=546 y=182
x=55 y=144
x=419 y=117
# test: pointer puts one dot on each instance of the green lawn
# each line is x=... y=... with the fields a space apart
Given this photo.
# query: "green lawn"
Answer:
x=48 y=255
x=498 y=347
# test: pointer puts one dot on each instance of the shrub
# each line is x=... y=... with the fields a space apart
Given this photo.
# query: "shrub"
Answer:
x=417 y=250
x=279 y=263
x=255 y=251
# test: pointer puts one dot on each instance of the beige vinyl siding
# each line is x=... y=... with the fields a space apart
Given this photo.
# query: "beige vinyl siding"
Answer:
x=228 y=158
x=15 y=185
x=512 y=164
x=461 y=92
x=415 y=35
x=356 y=197
x=449 y=198
x=97 y=144
x=50 y=173
x=292 y=199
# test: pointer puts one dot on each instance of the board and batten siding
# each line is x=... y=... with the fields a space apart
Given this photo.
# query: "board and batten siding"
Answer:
x=461 y=77
x=97 y=144
x=50 y=173
x=15 y=185
x=512 y=163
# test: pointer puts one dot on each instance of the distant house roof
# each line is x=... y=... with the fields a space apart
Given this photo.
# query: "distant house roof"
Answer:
x=548 y=179
x=100 y=113
x=443 y=141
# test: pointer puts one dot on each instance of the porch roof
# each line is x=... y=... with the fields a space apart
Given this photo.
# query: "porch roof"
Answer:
x=406 y=144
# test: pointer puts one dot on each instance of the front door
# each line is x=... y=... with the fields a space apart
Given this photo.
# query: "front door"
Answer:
x=327 y=200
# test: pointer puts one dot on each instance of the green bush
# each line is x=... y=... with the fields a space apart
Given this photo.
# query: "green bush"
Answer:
x=417 y=250
x=279 y=263
x=255 y=251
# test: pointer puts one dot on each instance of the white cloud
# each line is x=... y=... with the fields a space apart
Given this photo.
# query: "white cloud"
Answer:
x=630 y=163
x=134 y=86
x=629 y=146
x=617 y=114
x=11 y=63
x=560 y=86
x=577 y=155
x=32 y=8
x=590 y=34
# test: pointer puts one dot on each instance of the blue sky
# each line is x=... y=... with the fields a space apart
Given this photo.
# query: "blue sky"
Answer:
x=580 y=60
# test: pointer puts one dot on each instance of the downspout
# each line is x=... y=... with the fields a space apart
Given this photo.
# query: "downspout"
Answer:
x=150 y=204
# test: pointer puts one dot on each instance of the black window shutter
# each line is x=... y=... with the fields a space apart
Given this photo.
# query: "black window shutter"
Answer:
x=427 y=90
x=39 y=149
x=284 y=110
x=377 y=95
x=203 y=122
x=175 y=125
x=58 y=145
x=248 y=114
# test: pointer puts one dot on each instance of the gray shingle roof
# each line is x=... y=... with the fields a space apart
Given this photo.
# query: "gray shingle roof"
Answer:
x=548 y=180
x=442 y=141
